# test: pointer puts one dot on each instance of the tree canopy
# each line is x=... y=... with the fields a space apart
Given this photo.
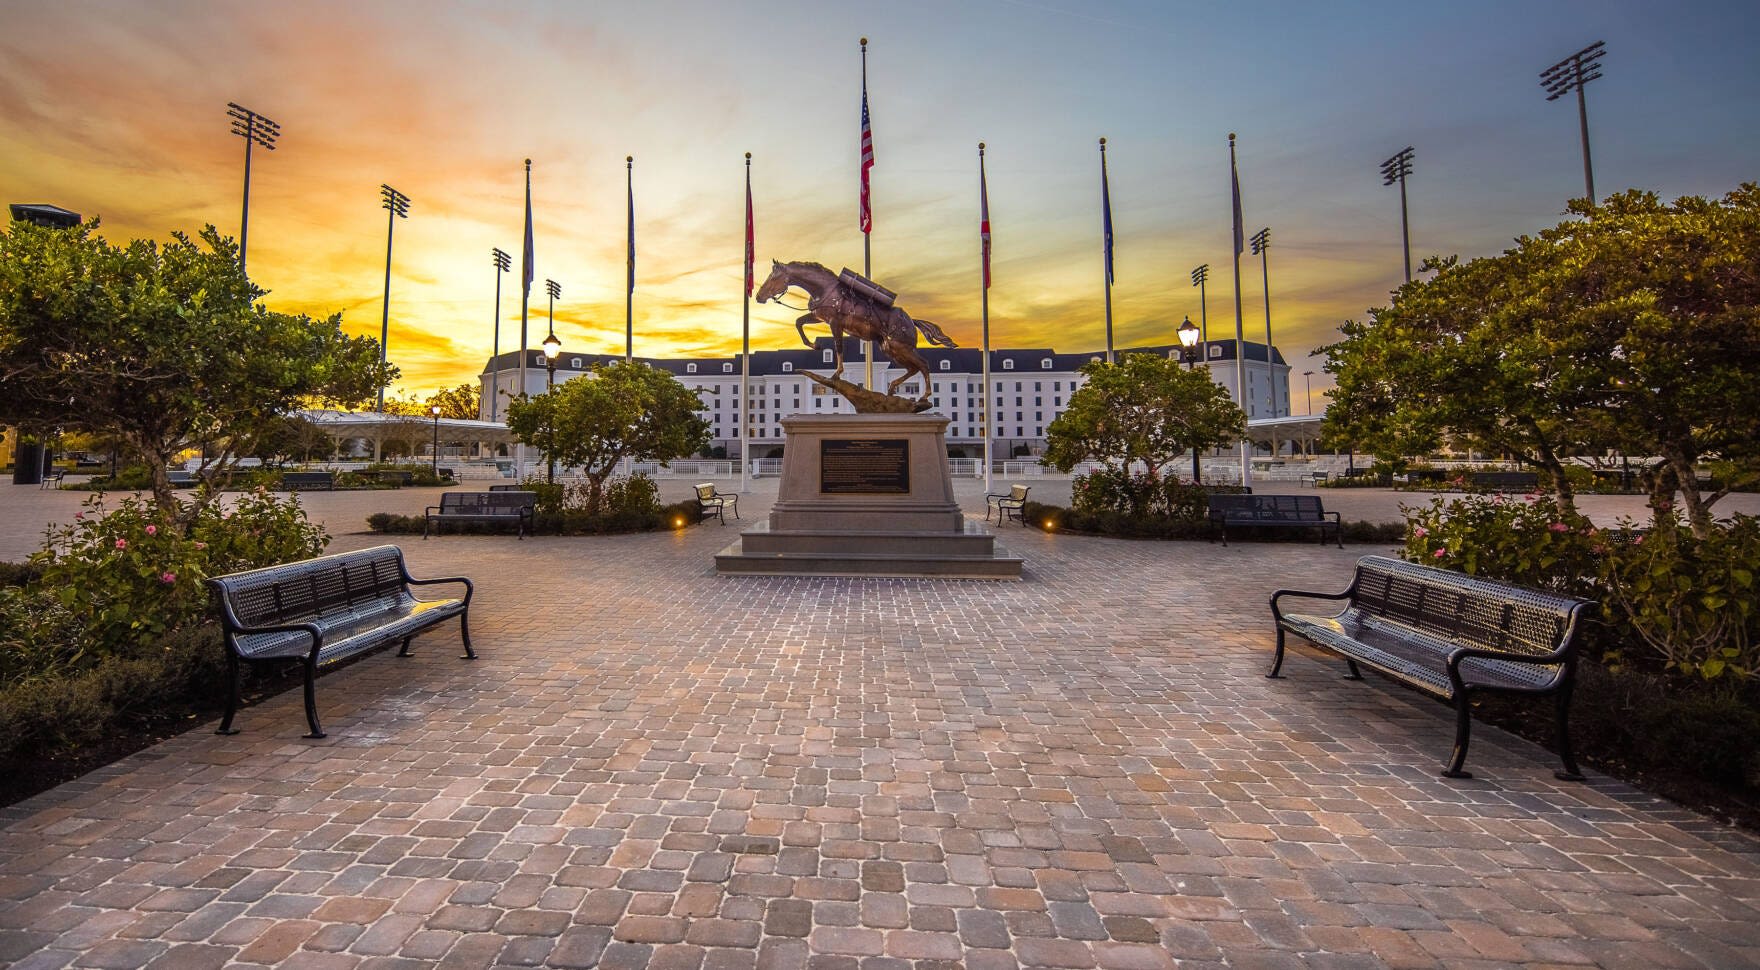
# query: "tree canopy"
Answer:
x=619 y=410
x=165 y=346
x=1635 y=328
x=1144 y=408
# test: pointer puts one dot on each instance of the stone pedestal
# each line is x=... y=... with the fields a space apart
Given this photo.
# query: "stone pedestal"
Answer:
x=867 y=495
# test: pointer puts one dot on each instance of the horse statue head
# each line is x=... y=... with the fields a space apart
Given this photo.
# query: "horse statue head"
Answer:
x=776 y=284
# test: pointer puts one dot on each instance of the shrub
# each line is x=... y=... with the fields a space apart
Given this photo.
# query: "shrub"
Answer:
x=629 y=505
x=1688 y=603
x=1524 y=543
x=1141 y=495
x=1054 y=518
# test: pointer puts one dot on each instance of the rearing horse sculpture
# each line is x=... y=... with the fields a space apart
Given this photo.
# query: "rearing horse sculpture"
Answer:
x=846 y=311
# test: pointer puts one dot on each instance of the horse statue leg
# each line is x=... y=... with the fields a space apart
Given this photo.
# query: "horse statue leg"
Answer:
x=801 y=327
x=912 y=362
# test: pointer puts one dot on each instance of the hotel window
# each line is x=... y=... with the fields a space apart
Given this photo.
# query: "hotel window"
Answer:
x=947 y=365
x=826 y=357
x=1045 y=364
x=690 y=368
x=726 y=368
x=577 y=363
x=788 y=367
x=1008 y=365
x=1215 y=351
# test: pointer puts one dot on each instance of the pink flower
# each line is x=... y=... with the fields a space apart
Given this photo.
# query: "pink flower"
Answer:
x=152 y=530
x=80 y=516
x=201 y=545
x=122 y=543
x=167 y=578
x=1559 y=527
x=1637 y=540
x=1420 y=531
x=1441 y=552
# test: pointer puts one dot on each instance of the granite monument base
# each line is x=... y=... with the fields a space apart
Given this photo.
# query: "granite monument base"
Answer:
x=867 y=495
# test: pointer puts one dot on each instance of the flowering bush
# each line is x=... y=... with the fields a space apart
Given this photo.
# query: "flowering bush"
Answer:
x=1521 y=542
x=1106 y=491
x=115 y=582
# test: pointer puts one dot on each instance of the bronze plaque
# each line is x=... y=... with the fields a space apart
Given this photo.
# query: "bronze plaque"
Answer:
x=864 y=466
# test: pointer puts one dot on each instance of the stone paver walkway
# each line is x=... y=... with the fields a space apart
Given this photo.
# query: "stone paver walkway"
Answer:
x=653 y=766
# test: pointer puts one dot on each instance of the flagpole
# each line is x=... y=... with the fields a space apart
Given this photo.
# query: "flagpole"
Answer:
x=745 y=334
x=867 y=210
x=524 y=302
x=1240 y=366
x=629 y=294
x=984 y=304
x=1106 y=204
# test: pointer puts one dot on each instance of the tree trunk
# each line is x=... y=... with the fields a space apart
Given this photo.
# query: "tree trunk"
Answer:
x=1698 y=506
x=1563 y=496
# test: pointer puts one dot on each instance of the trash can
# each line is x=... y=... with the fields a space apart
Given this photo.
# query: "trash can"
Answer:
x=27 y=463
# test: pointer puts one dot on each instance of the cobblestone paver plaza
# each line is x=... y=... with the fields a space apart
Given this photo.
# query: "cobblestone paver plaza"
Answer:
x=652 y=766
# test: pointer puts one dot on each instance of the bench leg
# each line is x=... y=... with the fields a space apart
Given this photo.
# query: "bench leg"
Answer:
x=1355 y=674
x=1277 y=658
x=1570 y=772
x=231 y=695
x=312 y=698
x=1463 y=729
x=403 y=651
x=426 y=522
x=464 y=630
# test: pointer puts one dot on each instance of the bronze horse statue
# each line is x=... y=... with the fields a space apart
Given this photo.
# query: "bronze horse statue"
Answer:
x=847 y=310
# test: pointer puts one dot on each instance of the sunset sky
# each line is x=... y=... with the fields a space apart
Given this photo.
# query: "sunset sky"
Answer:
x=118 y=110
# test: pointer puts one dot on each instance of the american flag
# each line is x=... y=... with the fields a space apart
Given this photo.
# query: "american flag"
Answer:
x=867 y=219
x=530 y=259
x=984 y=218
x=1235 y=174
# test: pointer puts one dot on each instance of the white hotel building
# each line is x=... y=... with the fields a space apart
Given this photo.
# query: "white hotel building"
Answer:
x=1029 y=388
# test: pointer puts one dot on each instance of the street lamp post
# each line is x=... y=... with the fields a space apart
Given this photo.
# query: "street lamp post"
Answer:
x=1188 y=355
x=552 y=349
x=503 y=263
x=436 y=411
x=396 y=206
x=255 y=130
x=1310 y=376
x=1570 y=75
x=1393 y=170
x=1262 y=249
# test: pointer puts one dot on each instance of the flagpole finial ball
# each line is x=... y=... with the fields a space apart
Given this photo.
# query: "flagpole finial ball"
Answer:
x=980 y=146
x=864 y=41
x=1231 y=136
x=629 y=159
x=528 y=163
x=1102 y=141
x=748 y=155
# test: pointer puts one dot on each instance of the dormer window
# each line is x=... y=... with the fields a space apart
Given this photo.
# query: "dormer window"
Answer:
x=1008 y=365
x=1215 y=350
x=726 y=368
x=1045 y=364
x=947 y=365
x=788 y=367
x=577 y=363
x=690 y=368
x=827 y=357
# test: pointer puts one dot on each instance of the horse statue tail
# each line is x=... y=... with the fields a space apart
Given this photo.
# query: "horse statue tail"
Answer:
x=934 y=333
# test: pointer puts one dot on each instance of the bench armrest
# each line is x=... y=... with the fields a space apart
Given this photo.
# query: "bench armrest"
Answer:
x=233 y=629
x=1461 y=654
x=1277 y=614
x=469 y=587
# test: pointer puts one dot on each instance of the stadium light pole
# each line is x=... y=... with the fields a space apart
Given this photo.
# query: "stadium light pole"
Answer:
x=1393 y=170
x=396 y=206
x=1200 y=276
x=503 y=263
x=1570 y=75
x=1262 y=248
x=255 y=130
x=1310 y=376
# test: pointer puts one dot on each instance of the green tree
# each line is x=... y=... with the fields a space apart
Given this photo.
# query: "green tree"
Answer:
x=163 y=345
x=1635 y=327
x=619 y=410
x=1144 y=408
x=463 y=402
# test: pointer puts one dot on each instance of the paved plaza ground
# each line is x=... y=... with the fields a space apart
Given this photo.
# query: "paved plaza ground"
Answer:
x=650 y=765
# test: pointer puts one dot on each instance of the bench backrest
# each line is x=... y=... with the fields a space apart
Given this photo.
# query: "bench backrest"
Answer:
x=294 y=591
x=305 y=478
x=706 y=491
x=1273 y=508
x=1018 y=493
x=1466 y=609
x=488 y=503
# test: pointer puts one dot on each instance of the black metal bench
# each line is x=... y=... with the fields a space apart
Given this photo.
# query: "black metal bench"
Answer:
x=395 y=477
x=52 y=478
x=1316 y=479
x=180 y=478
x=294 y=481
x=1448 y=634
x=324 y=610
x=515 y=507
x=1274 y=511
x=1505 y=481
x=711 y=502
x=1007 y=503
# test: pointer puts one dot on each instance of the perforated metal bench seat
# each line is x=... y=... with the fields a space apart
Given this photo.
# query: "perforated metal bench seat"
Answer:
x=1276 y=511
x=1447 y=634
x=518 y=507
x=324 y=610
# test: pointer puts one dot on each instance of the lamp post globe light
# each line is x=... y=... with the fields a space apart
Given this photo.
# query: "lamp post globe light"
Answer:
x=436 y=412
x=1188 y=355
x=552 y=349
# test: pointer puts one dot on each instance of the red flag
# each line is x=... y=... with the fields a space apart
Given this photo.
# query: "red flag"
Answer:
x=984 y=217
x=748 y=226
x=867 y=219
